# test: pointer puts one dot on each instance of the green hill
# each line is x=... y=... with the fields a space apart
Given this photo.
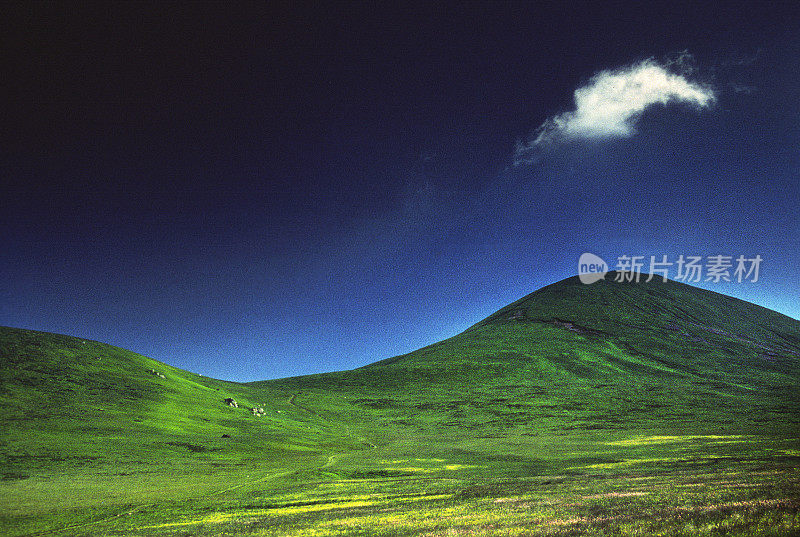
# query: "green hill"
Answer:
x=566 y=412
x=69 y=402
x=607 y=355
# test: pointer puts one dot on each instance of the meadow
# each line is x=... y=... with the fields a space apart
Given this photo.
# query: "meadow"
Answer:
x=606 y=410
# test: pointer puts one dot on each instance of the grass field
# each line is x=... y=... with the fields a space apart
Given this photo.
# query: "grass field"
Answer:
x=611 y=409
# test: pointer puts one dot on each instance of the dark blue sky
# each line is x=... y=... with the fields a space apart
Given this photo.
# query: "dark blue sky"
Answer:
x=260 y=192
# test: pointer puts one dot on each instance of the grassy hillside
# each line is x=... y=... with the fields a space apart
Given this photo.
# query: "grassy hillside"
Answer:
x=113 y=427
x=614 y=408
x=606 y=356
x=90 y=399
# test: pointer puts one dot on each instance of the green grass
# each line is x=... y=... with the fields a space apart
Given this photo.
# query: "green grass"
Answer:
x=611 y=409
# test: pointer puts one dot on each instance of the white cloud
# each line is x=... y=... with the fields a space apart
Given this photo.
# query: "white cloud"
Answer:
x=610 y=104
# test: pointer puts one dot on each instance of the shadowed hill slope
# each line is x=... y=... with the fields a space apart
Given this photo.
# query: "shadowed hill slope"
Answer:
x=627 y=309
x=647 y=316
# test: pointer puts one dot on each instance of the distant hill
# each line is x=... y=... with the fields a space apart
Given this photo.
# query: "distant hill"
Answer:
x=610 y=354
x=637 y=327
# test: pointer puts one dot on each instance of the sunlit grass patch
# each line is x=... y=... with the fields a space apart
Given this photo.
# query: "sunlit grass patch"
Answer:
x=412 y=469
x=651 y=440
x=460 y=466
x=624 y=494
x=332 y=506
x=624 y=463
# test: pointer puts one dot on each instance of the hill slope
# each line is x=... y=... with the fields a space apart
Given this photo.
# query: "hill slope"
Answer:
x=651 y=319
x=68 y=403
x=635 y=354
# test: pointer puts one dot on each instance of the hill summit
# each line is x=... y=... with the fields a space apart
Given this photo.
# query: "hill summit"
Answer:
x=634 y=328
